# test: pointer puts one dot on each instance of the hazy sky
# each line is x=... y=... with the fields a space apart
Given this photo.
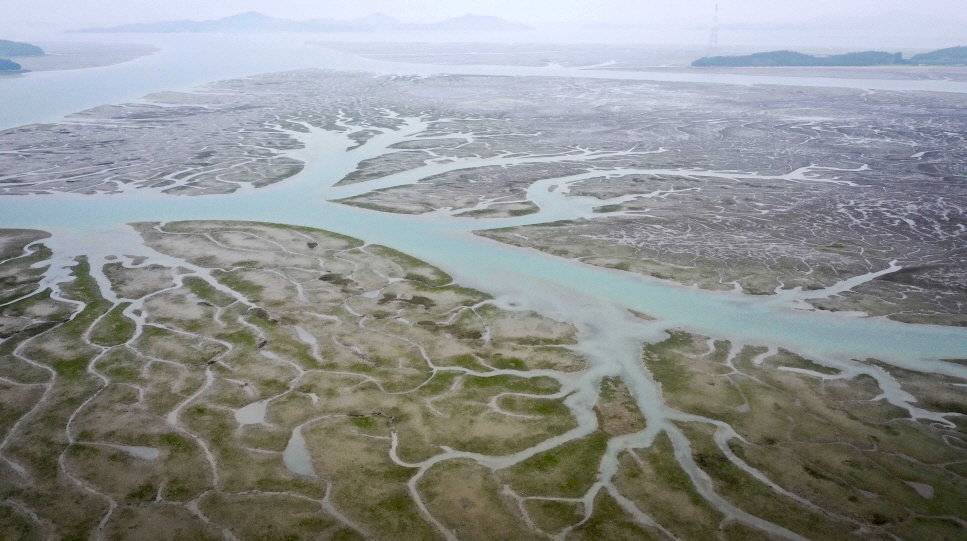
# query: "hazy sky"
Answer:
x=868 y=23
x=70 y=13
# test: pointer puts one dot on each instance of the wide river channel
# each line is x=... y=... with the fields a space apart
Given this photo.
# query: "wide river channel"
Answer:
x=594 y=298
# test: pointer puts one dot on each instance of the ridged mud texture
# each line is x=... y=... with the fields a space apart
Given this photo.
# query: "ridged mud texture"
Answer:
x=238 y=380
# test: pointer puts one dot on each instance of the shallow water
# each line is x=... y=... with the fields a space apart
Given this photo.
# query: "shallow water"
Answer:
x=556 y=286
x=296 y=455
x=144 y=453
x=252 y=414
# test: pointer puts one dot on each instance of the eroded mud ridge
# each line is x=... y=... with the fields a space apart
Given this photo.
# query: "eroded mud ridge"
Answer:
x=760 y=189
x=236 y=380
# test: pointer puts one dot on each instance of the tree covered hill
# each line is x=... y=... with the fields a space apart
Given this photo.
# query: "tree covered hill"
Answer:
x=16 y=48
x=9 y=65
x=954 y=56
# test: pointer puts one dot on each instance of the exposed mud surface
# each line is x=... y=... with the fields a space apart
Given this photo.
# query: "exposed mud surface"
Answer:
x=241 y=380
x=235 y=380
x=757 y=188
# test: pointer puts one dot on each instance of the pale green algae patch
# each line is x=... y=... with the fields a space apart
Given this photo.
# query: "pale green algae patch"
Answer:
x=419 y=406
x=347 y=343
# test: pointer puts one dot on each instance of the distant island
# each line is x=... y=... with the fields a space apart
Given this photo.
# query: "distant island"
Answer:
x=258 y=22
x=954 y=56
x=9 y=65
x=16 y=48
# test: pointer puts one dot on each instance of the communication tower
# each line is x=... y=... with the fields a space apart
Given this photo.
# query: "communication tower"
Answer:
x=713 y=36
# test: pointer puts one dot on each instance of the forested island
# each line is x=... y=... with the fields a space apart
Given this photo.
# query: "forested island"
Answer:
x=16 y=48
x=954 y=56
x=9 y=65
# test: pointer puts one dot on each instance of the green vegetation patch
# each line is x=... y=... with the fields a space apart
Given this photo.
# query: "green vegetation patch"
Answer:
x=565 y=471
x=658 y=485
x=466 y=497
x=756 y=498
x=114 y=328
x=552 y=516
x=609 y=521
x=246 y=288
x=206 y=292
x=275 y=517
x=414 y=269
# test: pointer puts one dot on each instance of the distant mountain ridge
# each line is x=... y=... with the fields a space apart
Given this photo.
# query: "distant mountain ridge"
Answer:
x=257 y=22
x=953 y=56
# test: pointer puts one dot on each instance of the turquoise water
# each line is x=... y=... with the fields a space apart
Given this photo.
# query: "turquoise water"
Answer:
x=564 y=287
x=502 y=269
